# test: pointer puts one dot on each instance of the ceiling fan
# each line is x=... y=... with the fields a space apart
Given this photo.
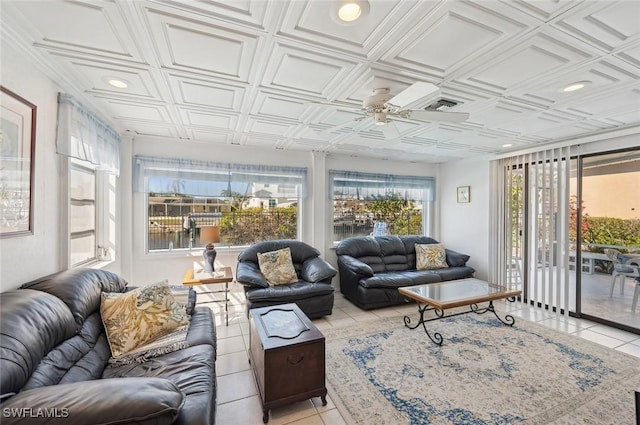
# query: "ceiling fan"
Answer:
x=382 y=106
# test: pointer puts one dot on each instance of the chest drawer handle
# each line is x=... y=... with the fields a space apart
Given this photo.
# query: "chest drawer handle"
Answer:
x=291 y=360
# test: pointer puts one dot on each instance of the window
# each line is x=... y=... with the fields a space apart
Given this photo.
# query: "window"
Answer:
x=244 y=201
x=367 y=204
x=82 y=214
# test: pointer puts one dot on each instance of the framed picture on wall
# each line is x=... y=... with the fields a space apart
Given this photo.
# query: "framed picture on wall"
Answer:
x=464 y=194
x=17 y=148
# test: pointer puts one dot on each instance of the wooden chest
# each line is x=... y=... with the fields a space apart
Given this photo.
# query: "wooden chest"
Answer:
x=286 y=352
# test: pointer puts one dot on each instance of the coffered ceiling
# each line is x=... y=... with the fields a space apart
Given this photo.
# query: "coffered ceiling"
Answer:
x=288 y=75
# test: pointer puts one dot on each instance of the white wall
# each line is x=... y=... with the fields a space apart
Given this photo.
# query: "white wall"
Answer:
x=465 y=226
x=25 y=258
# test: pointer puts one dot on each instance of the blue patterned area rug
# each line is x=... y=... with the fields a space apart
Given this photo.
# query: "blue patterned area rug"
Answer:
x=380 y=372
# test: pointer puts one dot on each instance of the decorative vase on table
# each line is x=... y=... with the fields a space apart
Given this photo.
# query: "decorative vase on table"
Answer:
x=209 y=235
x=209 y=255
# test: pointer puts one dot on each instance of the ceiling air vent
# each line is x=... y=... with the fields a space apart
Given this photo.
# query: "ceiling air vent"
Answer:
x=441 y=104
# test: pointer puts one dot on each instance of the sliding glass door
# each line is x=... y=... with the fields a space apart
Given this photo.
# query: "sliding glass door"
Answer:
x=568 y=231
x=610 y=236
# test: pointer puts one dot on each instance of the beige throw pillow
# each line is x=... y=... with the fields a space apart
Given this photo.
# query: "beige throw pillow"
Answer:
x=277 y=267
x=430 y=257
x=136 y=318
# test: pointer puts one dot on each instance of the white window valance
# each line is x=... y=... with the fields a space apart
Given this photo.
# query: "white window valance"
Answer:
x=364 y=185
x=82 y=135
x=203 y=178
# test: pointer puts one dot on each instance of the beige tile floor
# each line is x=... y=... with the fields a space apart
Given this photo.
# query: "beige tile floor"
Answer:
x=238 y=401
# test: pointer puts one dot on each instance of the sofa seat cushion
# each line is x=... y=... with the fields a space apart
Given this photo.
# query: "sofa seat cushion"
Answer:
x=452 y=273
x=192 y=370
x=291 y=293
x=400 y=279
x=139 y=401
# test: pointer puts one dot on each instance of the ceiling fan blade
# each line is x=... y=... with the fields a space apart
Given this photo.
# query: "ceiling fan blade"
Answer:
x=390 y=130
x=438 y=116
x=343 y=125
x=414 y=92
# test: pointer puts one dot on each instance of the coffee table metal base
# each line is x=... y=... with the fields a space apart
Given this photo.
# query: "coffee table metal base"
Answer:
x=508 y=320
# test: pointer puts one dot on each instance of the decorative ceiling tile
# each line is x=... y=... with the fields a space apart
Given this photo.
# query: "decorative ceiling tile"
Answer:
x=197 y=92
x=276 y=106
x=316 y=22
x=205 y=47
x=88 y=27
x=247 y=12
x=604 y=24
x=284 y=75
x=306 y=72
x=532 y=58
x=96 y=75
x=446 y=39
x=201 y=118
x=259 y=126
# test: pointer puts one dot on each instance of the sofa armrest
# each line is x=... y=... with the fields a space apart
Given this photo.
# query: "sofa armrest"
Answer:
x=456 y=259
x=102 y=401
x=315 y=269
x=249 y=274
x=356 y=266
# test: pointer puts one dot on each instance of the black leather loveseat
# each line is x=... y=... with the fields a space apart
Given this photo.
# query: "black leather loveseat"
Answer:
x=372 y=268
x=313 y=292
x=54 y=356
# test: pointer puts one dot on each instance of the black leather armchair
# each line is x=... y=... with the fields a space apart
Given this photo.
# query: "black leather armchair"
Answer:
x=313 y=292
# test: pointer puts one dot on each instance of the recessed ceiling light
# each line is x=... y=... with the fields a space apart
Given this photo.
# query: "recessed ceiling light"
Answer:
x=347 y=12
x=507 y=145
x=575 y=86
x=118 y=83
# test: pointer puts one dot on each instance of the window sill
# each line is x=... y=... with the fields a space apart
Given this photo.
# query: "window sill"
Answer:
x=97 y=264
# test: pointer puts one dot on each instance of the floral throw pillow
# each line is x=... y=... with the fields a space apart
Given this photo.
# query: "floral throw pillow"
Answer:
x=430 y=257
x=136 y=318
x=277 y=267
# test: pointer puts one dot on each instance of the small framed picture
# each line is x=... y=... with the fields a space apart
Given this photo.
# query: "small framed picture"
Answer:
x=464 y=194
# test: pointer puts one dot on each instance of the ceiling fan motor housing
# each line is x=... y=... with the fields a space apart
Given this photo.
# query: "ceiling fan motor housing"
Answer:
x=377 y=101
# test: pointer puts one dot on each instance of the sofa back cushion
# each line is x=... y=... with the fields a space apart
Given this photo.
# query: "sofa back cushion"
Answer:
x=384 y=253
x=410 y=246
x=393 y=252
x=79 y=289
x=33 y=323
x=365 y=249
x=82 y=357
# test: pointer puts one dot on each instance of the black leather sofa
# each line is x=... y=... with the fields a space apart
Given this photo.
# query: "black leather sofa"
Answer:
x=372 y=268
x=54 y=356
x=313 y=292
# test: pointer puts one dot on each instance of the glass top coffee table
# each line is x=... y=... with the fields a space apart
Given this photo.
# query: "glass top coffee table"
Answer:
x=456 y=293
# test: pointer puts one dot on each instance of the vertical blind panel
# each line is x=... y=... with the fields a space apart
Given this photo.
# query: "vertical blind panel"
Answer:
x=530 y=238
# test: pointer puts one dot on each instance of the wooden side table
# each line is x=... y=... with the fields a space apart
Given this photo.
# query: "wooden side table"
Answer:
x=287 y=355
x=197 y=276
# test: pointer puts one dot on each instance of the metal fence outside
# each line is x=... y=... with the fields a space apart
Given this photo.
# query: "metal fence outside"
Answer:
x=241 y=228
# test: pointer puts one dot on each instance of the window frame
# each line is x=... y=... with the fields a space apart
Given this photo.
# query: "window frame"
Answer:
x=101 y=208
x=181 y=168
x=393 y=181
